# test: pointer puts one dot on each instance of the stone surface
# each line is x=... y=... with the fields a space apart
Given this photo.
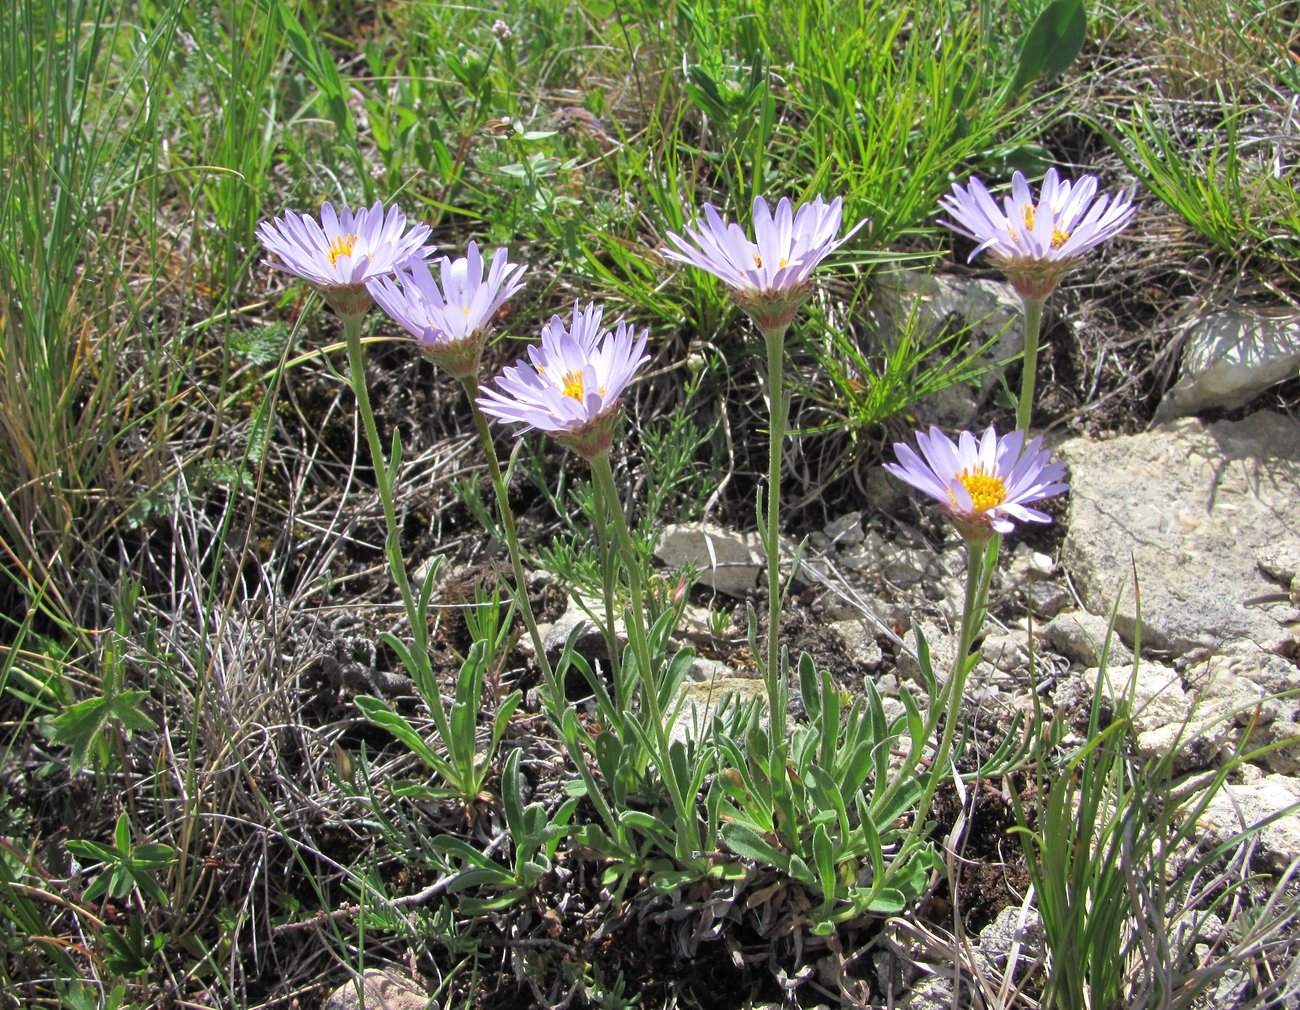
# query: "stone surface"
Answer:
x=943 y=651
x=1047 y=599
x=990 y=309
x=380 y=990
x=1238 y=806
x=1013 y=926
x=858 y=640
x=589 y=642
x=728 y=561
x=1192 y=506
x=705 y=670
x=1252 y=695
x=698 y=701
x=1080 y=636
x=845 y=531
x=1007 y=653
x=1231 y=357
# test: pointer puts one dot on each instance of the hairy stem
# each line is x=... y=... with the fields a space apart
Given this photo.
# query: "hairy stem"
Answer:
x=508 y=522
x=423 y=672
x=603 y=476
x=1029 y=363
x=775 y=345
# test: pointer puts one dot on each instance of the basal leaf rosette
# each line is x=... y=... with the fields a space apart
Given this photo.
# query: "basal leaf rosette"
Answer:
x=342 y=250
x=985 y=485
x=1036 y=244
x=571 y=385
x=769 y=275
x=451 y=316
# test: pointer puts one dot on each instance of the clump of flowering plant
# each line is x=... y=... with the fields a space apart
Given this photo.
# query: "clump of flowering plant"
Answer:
x=1036 y=244
x=770 y=274
x=343 y=250
x=770 y=278
x=984 y=484
x=452 y=320
x=572 y=383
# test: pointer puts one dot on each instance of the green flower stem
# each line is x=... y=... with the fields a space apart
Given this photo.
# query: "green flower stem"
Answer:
x=636 y=631
x=507 y=521
x=423 y=673
x=774 y=340
x=609 y=573
x=1029 y=362
x=978 y=574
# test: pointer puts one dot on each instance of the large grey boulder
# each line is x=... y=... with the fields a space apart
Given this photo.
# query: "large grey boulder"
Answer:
x=1194 y=508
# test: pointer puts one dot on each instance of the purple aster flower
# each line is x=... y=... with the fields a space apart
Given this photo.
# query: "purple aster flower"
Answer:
x=769 y=275
x=983 y=485
x=452 y=321
x=572 y=383
x=1035 y=245
x=343 y=250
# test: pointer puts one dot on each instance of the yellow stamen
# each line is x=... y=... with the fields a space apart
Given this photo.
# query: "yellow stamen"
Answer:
x=986 y=490
x=1028 y=213
x=758 y=260
x=784 y=262
x=573 y=385
x=342 y=246
x=1059 y=238
x=465 y=309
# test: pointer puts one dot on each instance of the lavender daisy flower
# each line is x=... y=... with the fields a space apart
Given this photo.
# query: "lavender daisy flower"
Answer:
x=983 y=485
x=453 y=321
x=343 y=250
x=769 y=275
x=571 y=384
x=1035 y=245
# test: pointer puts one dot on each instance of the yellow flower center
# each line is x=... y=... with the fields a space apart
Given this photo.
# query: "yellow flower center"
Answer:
x=1059 y=238
x=342 y=246
x=573 y=385
x=1027 y=212
x=986 y=491
x=784 y=262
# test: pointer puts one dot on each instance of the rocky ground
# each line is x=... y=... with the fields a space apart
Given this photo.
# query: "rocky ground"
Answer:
x=1186 y=535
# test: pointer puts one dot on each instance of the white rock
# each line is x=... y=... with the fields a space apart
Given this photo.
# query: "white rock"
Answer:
x=1231 y=357
x=1006 y=652
x=1157 y=697
x=729 y=561
x=697 y=702
x=858 y=639
x=707 y=671
x=1238 y=806
x=1191 y=506
x=1246 y=691
x=1080 y=636
x=380 y=990
x=845 y=530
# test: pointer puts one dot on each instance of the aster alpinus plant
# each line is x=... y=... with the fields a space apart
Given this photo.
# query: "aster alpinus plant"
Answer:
x=1036 y=244
x=342 y=256
x=453 y=317
x=985 y=486
x=770 y=278
x=570 y=387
